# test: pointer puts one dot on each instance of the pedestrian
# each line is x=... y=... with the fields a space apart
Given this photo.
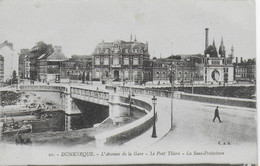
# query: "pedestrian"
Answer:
x=217 y=115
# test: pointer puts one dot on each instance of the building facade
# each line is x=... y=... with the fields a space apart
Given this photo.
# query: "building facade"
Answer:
x=10 y=60
x=218 y=67
x=49 y=65
x=24 y=64
x=1 y=69
x=78 y=67
x=245 y=71
x=119 y=61
x=38 y=50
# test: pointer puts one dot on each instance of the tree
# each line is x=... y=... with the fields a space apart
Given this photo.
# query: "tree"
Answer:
x=14 y=78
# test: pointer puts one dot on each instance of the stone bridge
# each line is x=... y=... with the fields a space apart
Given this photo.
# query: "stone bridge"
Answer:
x=118 y=106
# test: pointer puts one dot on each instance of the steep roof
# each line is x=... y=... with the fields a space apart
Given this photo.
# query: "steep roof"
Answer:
x=57 y=57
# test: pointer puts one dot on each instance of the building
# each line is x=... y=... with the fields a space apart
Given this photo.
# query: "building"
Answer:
x=49 y=65
x=10 y=60
x=218 y=67
x=24 y=64
x=38 y=50
x=1 y=69
x=245 y=71
x=78 y=67
x=119 y=61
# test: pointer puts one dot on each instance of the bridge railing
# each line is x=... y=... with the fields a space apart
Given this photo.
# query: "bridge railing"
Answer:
x=45 y=88
x=145 y=91
x=126 y=132
x=239 y=102
x=90 y=93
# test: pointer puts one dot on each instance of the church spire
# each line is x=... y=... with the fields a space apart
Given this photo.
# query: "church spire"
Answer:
x=213 y=44
x=222 y=50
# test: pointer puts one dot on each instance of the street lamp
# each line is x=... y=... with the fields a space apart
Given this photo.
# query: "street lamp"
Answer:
x=130 y=105
x=154 y=100
x=173 y=70
x=192 y=83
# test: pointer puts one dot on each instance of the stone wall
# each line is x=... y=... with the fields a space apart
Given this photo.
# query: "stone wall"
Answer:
x=219 y=100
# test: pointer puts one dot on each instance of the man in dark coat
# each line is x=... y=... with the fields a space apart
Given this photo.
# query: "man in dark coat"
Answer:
x=216 y=115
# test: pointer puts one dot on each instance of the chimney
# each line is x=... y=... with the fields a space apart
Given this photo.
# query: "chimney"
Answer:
x=241 y=59
x=236 y=59
x=206 y=38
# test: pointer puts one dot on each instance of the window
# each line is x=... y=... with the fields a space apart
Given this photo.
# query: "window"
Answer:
x=97 y=61
x=106 y=61
x=163 y=74
x=179 y=75
x=126 y=74
x=126 y=61
x=157 y=74
x=97 y=74
x=115 y=61
x=185 y=75
x=136 y=61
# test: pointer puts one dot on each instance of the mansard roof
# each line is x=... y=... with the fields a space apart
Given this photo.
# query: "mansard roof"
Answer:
x=121 y=46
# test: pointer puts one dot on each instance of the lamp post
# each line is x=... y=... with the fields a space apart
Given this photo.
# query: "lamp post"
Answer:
x=154 y=100
x=192 y=83
x=130 y=105
x=172 y=91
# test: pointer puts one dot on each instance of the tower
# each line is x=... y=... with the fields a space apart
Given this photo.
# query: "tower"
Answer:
x=222 y=50
x=206 y=38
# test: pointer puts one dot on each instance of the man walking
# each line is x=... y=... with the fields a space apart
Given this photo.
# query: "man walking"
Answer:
x=216 y=115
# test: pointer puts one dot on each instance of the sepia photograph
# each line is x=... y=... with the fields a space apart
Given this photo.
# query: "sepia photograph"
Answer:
x=120 y=82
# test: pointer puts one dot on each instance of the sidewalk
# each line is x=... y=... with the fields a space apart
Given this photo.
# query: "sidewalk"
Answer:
x=163 y=122
x=163 y=125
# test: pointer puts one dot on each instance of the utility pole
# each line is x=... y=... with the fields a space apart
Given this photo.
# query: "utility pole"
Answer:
x=172 y=92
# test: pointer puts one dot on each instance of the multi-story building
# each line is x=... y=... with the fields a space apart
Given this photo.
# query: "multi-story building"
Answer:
x=245 y=71
x=38 y=50
x=10 y=60
x=24 y=64
x=160 y=71
x=119 y=60
x=78 y=67
x=49 y=65
x=1 y=69
x=218 y=67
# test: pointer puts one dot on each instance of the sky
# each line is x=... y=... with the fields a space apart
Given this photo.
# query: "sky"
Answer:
x=169 y=26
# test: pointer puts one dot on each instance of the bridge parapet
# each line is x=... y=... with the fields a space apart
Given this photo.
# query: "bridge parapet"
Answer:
x=44 y=88
x=88 y=95
x=119 y=107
